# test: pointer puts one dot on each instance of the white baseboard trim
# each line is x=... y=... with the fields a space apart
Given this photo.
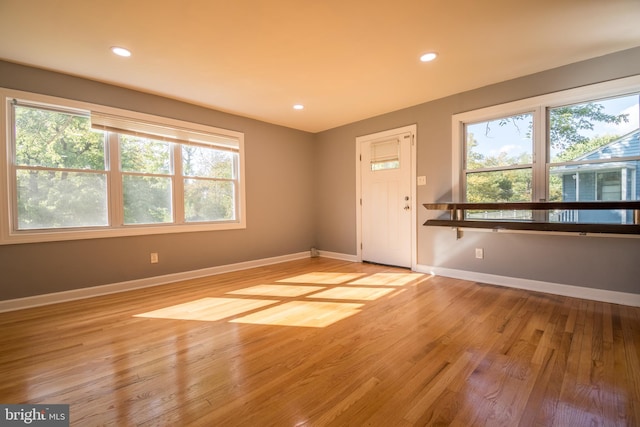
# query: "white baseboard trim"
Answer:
x=339 y=256
x=56 y=297
x=603 y=295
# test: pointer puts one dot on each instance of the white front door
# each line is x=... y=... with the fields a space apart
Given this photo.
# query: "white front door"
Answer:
x=386 y=198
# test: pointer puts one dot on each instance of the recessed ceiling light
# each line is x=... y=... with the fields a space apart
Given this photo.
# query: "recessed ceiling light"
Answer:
x=427 y=57
x=298 y=107
x=120 y=51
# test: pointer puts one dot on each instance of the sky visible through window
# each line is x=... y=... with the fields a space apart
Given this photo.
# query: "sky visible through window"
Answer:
x=513 y=137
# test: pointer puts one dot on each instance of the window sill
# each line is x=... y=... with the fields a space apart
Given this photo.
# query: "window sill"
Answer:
x=39 y=236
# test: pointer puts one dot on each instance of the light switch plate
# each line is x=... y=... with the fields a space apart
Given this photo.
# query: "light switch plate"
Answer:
x=422 y=180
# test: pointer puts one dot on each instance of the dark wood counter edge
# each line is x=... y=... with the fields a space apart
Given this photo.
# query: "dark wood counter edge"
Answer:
x=447 y=206
x=538 y=226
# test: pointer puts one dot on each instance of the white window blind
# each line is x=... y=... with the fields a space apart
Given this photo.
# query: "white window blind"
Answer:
x=161 y=131
x=385 y=151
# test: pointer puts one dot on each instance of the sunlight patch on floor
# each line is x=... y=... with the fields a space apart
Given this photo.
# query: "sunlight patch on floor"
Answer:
x=208 y=309
x=302 y=313
x=277 y=290
x=388 y=279
x=323 y=278
x=341 y=292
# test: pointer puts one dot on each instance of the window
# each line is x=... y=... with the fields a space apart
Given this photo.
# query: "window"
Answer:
x=76 y=170
x=209 y=184
x=60 y=170
x=578 y=145
x=498 y=164
x=147 y=180
x=385 y=155
x=594 y=148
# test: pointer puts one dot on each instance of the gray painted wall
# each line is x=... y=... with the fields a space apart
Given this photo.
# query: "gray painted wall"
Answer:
x=301 y=193
x=279 y=191
x=594 y=262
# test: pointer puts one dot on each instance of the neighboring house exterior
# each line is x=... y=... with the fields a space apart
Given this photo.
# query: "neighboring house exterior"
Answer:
x=602 y=180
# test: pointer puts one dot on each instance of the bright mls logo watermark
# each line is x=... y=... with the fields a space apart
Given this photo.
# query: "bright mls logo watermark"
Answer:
x=34 y=415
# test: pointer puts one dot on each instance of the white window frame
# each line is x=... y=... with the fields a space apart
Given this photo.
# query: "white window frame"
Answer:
x=538 y=106
x=10 y=235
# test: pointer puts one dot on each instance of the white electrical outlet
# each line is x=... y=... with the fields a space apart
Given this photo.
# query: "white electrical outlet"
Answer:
x=154 y=257
x=479 y=253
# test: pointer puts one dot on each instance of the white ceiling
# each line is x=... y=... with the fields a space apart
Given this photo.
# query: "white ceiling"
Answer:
x=345 y=60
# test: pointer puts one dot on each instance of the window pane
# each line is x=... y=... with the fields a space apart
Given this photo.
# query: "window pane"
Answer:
x=502 y=142
x=385 y=155
x=592 y=182
x=208 y=200
x=379 y=166
x=609 y=185
x=48 y=199
x=55 y=139
x=499 y=186
x=147 y=199
x=144 y=155
x=208 y=162
x=595 y=130
x=496 y=187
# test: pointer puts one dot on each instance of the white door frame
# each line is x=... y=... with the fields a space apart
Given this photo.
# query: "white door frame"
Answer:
x=414 y=216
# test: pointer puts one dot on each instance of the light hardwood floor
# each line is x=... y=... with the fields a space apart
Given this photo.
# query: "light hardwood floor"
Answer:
x=324 y=342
